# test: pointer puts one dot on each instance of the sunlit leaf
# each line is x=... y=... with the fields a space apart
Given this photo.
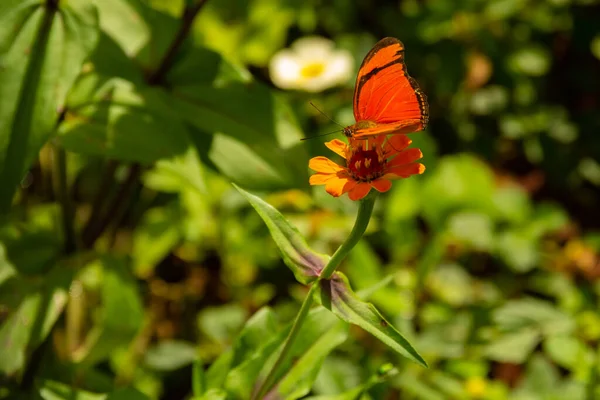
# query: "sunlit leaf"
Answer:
x=53 y=390
x=135 y=125
x=120 y=317
x=299 y=380
x=336 y=295
x=305 y=263
x=37 y=307
x=170 y=355
x=42 y=53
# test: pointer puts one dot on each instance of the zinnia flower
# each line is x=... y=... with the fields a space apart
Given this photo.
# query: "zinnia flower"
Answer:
x=311 y=64
x=370 y=163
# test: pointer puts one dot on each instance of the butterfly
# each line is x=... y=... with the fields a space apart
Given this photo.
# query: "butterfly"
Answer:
x=386 y=99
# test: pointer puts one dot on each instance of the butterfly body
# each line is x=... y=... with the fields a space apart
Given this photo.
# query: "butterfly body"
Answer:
x=386 y=99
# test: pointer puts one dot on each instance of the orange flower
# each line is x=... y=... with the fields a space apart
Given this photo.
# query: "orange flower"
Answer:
x=372 y=162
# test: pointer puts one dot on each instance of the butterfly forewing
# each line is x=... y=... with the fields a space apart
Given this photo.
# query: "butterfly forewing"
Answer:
x=386 y=95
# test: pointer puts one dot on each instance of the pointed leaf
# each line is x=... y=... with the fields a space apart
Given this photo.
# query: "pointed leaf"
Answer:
x=53 y=390
x=243 y=378
x=120 y=316
x=305 y=263
x=337 y=296
x=43 y=49
x=37 y=307
x=135 y=125
x=385 y=372
x=299 y=380
x=256 y=133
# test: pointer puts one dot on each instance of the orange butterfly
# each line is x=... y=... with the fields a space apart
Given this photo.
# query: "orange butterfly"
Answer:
x=386 y=99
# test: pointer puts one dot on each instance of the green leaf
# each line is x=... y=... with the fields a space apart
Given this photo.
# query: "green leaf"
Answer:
x=177 y=174
x=257 y=138
x=143 y=32
x=567 y=351
x=261 y=324
x=15 y=335
x=530 y=312
x=52 y=390
x=513 y=347
x=385 y=372
x=135 y=125
x=7 y=270
x=42 y=50
x=472 y=229
x=595 y=46
x=532 y=60
x=120 y=316
x=365 y=268
x=458 y=182
x=218 y=370
x=257 y=354
x=518 y=249
x=33 y=245
x=299 y=380
x=127 y=394
x=154 y=238
x=541 y=377
x=337 y=296
x=301 y=259
x=452 y=284
x=198 y=378
x=221 y=323
x=170 y=355
x=415 y=386
x=246 y=33
x=245 y=371
x=37 y=307
x=107 y=66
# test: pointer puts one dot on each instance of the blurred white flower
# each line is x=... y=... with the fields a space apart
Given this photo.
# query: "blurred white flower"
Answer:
x=311 y=64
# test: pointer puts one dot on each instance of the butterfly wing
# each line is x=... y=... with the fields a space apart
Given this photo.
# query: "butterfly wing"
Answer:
x=386 y=94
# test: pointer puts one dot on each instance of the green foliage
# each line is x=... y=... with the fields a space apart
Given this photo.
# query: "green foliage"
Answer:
x=131 y=269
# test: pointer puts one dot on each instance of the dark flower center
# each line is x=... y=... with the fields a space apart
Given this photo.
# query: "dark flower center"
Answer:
x=365 y=165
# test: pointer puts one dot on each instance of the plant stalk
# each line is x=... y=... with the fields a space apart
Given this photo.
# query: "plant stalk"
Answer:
x=360 y=225
x=289 y=341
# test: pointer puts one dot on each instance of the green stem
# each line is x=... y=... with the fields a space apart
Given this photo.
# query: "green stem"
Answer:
x=61 y=192
x=360 y=225
x=289 y=341
x=362 y=220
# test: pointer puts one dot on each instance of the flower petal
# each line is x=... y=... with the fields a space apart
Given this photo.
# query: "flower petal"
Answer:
x=340 y=185
x=313 y=48
x=321 y=179
x=338 y=147
x=284 y=70
x=405 y=157
x=324 y=165
x=340 y=66
x=359 y=191
x=396 y=143
x=404 y=171
x=381 y=185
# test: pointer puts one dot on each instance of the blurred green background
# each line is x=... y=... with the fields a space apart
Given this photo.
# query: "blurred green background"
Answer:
x=127 y=256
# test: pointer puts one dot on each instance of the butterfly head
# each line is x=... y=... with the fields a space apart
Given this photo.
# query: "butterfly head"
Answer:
x=349 y=131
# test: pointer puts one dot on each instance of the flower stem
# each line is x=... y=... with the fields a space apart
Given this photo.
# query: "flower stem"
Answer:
x=360 y=225
x=289 y=341
x=362 y=220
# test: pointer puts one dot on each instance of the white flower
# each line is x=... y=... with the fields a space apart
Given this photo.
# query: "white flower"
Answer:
x=311 y=64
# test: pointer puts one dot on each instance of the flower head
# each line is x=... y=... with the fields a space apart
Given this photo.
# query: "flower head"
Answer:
x=373 y=162
x=311 y=64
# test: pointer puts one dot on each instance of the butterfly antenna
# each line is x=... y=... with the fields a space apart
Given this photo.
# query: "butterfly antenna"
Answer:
x=321 y=135
x=325 y=115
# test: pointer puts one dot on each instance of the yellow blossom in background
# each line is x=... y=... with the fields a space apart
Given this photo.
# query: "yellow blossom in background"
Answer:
x=311 y=64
